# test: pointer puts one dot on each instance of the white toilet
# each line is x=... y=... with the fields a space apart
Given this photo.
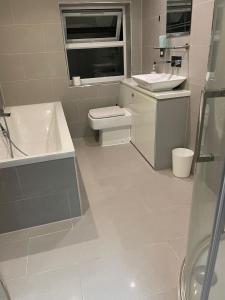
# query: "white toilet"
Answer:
x=113 y=123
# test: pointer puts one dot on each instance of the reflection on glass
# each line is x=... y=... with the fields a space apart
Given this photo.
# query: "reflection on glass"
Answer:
x=179 y=16
x=93 y=26
x=96 y=62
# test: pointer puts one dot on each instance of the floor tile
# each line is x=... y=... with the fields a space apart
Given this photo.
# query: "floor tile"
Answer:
x=154 y=269
x=13 y=259
x=107 y=279
x=56 y=285
x=128 y=245
x=168 y=295
x=14 y=236
x=179 y=246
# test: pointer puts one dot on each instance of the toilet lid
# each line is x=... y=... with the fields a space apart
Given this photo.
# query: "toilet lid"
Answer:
x=106 y=112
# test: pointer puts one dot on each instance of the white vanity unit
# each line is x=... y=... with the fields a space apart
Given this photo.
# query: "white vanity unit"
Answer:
x=159 y=121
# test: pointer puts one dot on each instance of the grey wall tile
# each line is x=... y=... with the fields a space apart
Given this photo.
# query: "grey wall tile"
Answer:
x=11 y=67
x=136 y=61
x=6 y=16
x=198 y=64
x=35 y=65
x=28 y=91
x=35 y=36
x=44 y=65
x=35 y=12
x=136 y=27
x=71 y=110
x=64 y=92
x=201 y=23
x=56 y=62
x=153 y=8
x=193 y=114
x=80 y=130
x=108 y=90
x=22 y=38
x=54 y=37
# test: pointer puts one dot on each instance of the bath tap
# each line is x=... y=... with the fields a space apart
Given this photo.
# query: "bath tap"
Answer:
x=4 y=114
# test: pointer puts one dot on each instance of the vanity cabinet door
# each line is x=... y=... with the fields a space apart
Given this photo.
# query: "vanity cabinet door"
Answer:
x=143 y=110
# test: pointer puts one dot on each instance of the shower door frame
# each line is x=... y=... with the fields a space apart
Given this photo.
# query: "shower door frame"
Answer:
x=219 y=220
x=218 y=229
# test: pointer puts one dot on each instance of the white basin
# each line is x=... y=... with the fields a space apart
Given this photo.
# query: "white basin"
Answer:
x=159 y=81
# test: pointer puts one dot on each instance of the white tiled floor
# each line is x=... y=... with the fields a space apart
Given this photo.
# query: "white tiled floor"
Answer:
x=128 y=246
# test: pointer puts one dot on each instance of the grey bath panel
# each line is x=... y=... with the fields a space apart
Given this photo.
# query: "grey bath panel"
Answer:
x=44 y=192
x=84 y=202
x=10 y=189
x=47 y=177
x=74 y=204
x=34 y=211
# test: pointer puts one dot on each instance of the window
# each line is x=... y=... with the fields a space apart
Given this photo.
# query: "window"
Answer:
x=95 y=42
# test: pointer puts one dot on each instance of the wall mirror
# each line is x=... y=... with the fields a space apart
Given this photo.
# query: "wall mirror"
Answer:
x=178 y=17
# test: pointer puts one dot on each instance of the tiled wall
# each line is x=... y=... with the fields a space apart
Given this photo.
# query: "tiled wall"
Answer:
x=39 y=193
x=194 y=61
x=33 y=65
x=200 y=41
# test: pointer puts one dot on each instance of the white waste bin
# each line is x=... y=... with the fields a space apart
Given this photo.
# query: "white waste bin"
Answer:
x=182 y=161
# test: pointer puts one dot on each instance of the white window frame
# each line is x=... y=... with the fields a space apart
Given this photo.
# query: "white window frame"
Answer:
x=99 y=43
x=89 y=14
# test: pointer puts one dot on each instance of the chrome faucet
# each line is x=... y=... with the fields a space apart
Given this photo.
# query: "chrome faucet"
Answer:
x=175 y=61
x=4 y=114
x=2 y=105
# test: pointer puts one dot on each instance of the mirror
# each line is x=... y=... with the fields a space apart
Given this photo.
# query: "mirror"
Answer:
x=178 y=17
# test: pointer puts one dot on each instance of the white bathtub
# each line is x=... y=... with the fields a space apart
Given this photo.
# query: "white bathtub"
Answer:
x=39 y=130
x=45 y=183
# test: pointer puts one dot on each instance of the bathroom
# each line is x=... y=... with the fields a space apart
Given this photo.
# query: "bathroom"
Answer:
x=96 y=97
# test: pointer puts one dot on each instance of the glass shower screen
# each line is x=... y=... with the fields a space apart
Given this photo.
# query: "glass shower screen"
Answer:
x=203 y=275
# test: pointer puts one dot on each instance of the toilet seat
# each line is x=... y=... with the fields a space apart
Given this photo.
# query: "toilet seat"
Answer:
x=106 y=112
x=115 y=121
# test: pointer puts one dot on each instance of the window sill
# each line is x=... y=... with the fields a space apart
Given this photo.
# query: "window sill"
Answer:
x=97 y=81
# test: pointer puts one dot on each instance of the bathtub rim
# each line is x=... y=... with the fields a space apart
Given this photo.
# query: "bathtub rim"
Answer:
x=65 y=137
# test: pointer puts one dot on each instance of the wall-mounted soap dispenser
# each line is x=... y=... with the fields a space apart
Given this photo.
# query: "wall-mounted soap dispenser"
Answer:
x=162 y=45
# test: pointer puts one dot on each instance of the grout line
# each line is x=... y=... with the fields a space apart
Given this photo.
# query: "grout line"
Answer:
x=141 y=36
x=12 y=12
x=31 y=237
x=27 y=261
x=73 y=264
x=29 y=53
x=174 y=251
x=28 y=24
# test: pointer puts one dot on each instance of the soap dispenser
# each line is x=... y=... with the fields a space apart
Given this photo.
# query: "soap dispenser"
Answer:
x=162 y=45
